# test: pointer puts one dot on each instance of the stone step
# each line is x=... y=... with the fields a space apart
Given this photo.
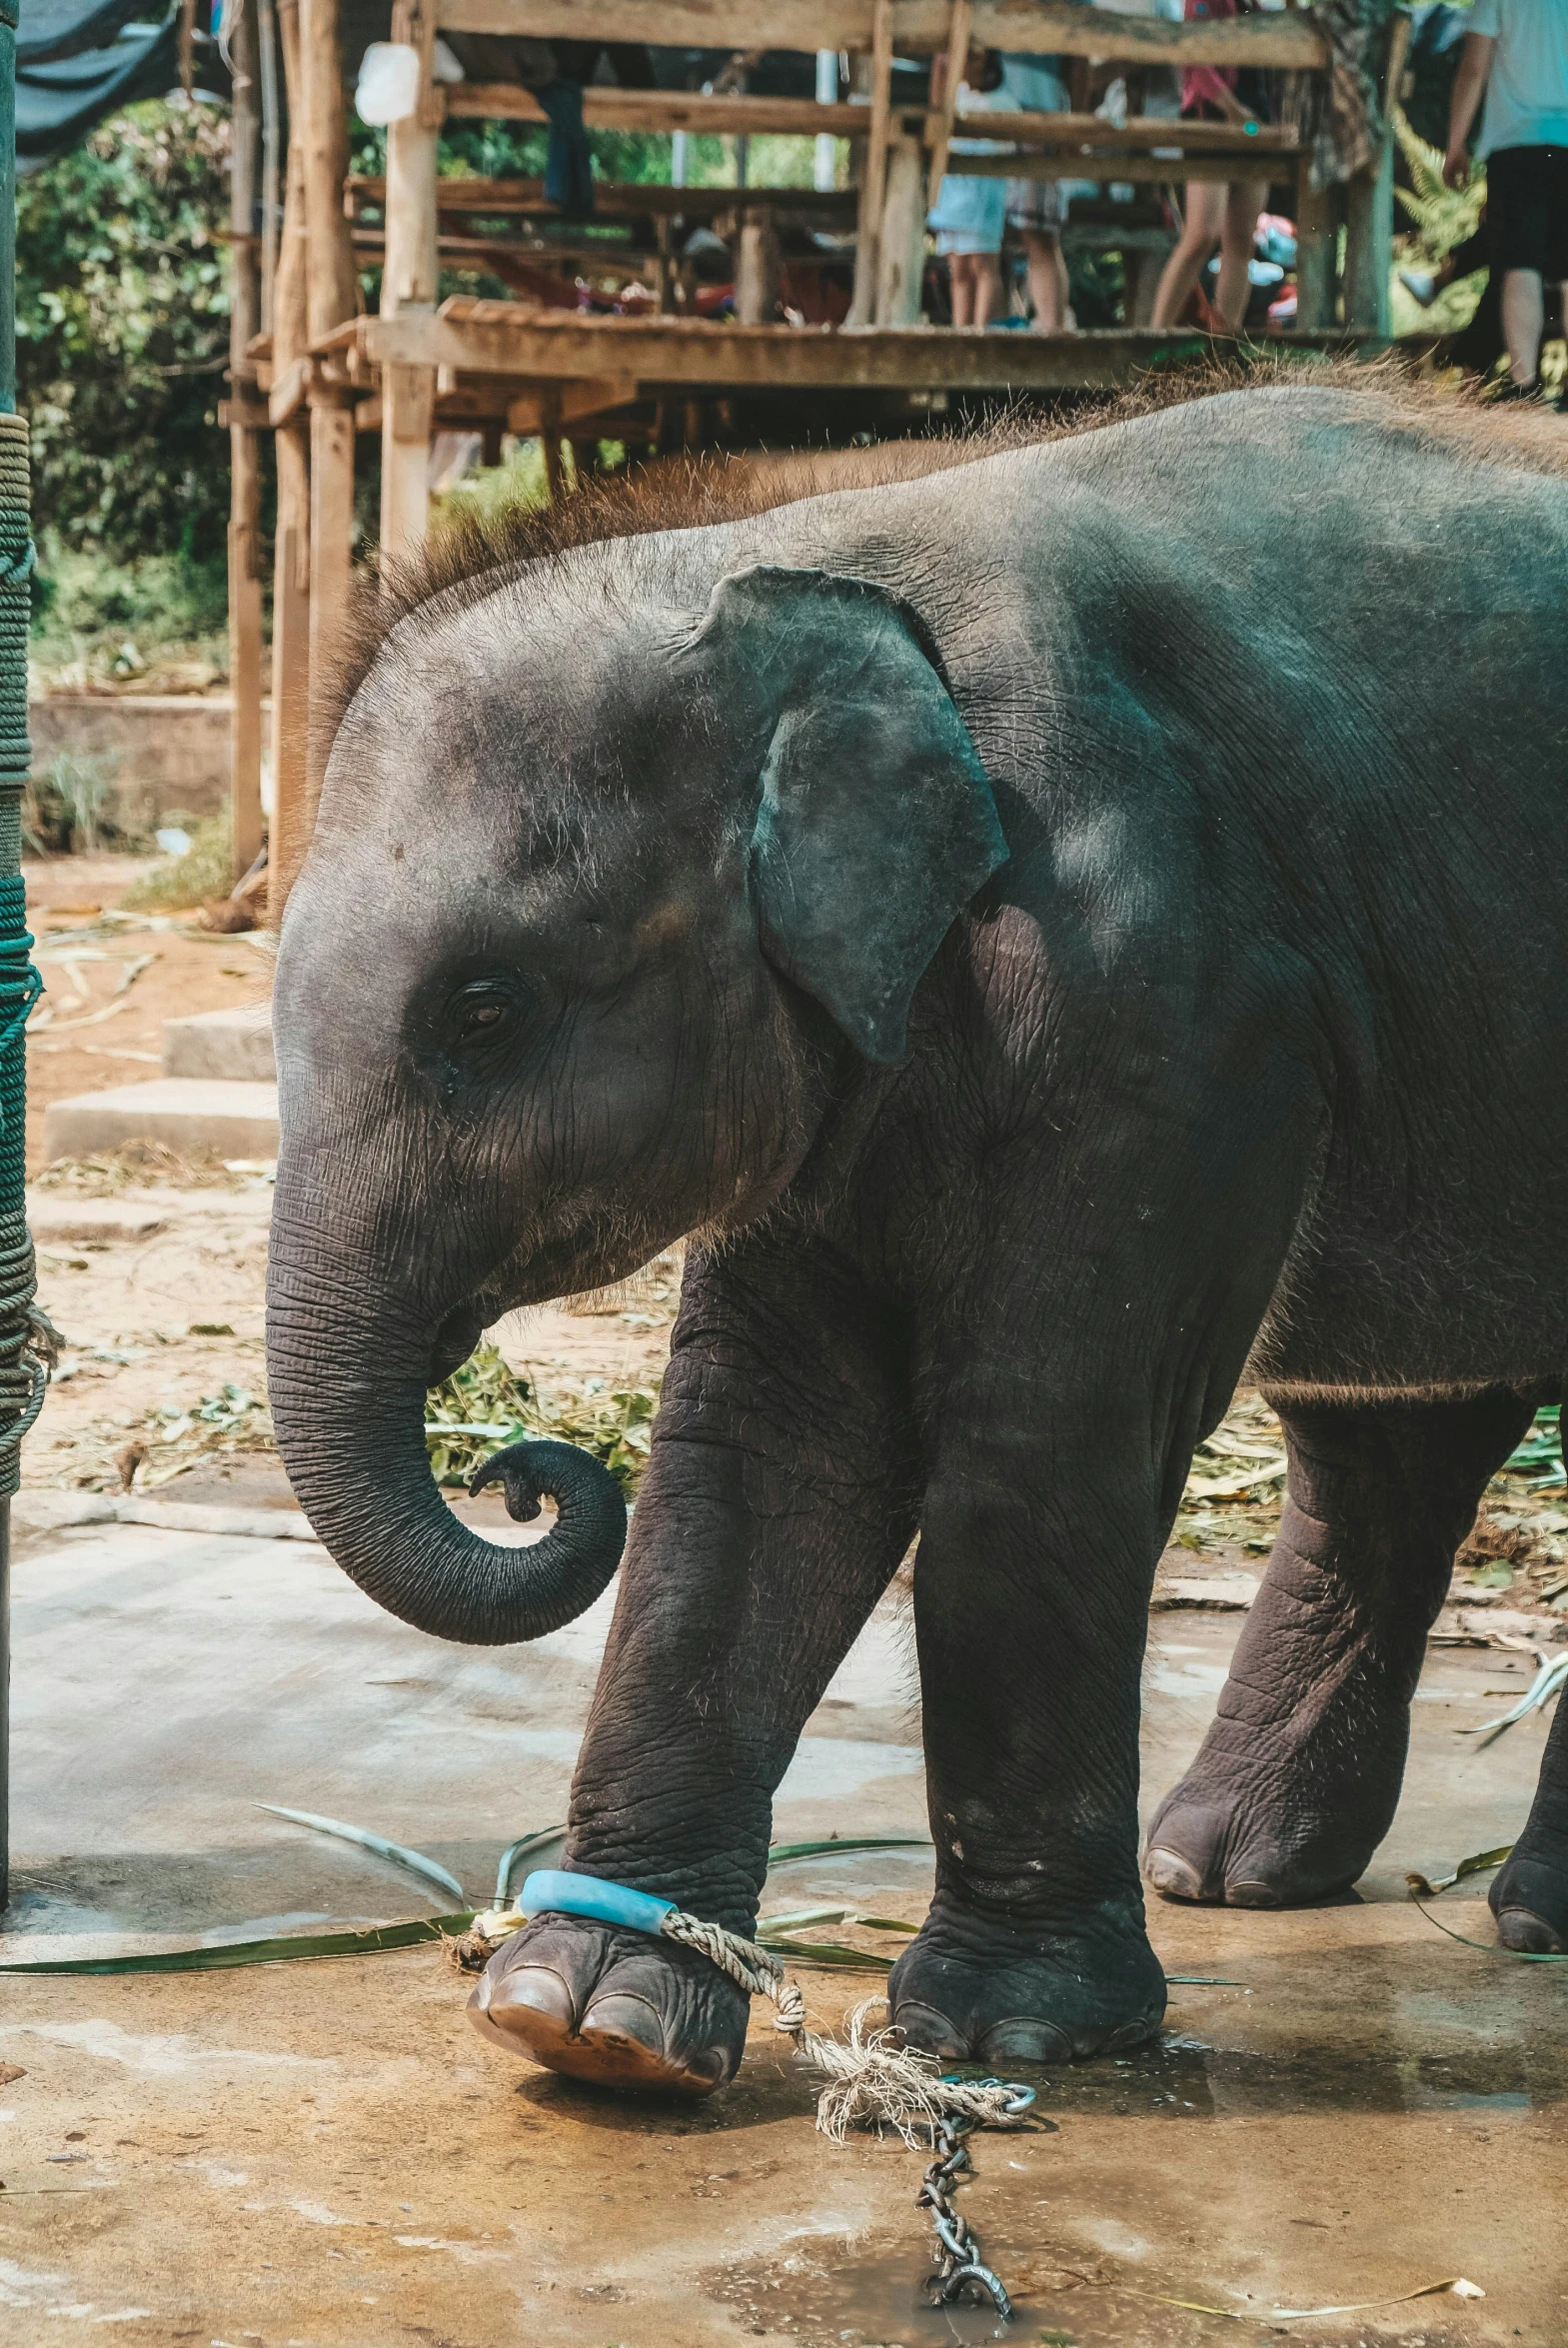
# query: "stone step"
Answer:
x=190 y=1114
x=234 y=1047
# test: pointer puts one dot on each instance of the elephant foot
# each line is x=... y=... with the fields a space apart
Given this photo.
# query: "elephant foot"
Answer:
x=1259 y=1845
x=1529 y=1898
x=965 y=1993
x=614 y=2007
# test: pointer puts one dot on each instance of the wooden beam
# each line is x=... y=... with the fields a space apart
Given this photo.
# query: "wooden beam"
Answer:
x=900 y=251
x=944 y=114
x=1086 y=163
x=873 y=168
x=1144 y=135
x=613 y=200
x=1072 y=28
x=329 y=260
x=501 y=338
x=662 y=110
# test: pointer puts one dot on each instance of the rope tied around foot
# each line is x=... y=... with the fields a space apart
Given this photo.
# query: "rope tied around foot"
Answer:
x=871 y=2079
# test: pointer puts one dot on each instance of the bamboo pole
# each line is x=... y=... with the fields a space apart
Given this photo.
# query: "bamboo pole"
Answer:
x=409 y=282
x=1369 y=208
x=245 y=584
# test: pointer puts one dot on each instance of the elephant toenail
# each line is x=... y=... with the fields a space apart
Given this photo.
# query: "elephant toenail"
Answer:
x=711 y=2064
x=620 y=2014
x=932 y=2032
x=1022 y=2039
x=1172 y=1875
x=1528 y=1934
x=1249 y=1893
x=537 y=1987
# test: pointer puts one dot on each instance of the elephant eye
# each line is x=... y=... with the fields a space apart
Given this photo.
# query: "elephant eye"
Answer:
x=483 y=1015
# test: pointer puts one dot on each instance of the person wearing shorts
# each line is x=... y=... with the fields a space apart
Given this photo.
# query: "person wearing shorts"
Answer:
x=1215 y=213
x=1034 y=210
x=1516 y=52
x=970 y=213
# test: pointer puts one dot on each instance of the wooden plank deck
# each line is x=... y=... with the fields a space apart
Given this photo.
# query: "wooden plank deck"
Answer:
x=507 y=339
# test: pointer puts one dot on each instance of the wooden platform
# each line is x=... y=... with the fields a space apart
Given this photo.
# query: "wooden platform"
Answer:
x=640 y=355
x=320 y=377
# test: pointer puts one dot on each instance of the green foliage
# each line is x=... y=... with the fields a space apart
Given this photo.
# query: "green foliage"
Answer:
x=206 y=869
x=160 y=621
x=1444 y=217
x=122 y=334
x=483 y=1406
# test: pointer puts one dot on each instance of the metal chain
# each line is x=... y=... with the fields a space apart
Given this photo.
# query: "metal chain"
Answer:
x=959 y=2260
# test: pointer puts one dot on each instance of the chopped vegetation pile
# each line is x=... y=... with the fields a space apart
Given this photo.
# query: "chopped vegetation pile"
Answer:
x=1520 y=1540
x=138 y=1164
x=485 y=1405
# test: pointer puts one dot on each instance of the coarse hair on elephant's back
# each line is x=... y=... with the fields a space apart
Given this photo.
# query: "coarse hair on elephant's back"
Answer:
x=465 y=558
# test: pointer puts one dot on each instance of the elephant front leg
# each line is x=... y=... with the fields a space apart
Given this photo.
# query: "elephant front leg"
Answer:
x=1030 y=1598
x=779 y=1497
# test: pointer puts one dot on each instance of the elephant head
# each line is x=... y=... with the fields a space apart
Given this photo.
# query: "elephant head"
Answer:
x=616 y=871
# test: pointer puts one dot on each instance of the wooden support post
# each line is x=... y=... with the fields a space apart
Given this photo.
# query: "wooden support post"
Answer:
x=902 y=258
x=874 y=170
x=245 y=586
x=329 y=291
x=756 y=272
x=291 y=614
x=331 y=285
x=1318 y=213
x=291 y=605
x=409 y=282
x=330 y=572
x=1370 y=209
x=947 y=109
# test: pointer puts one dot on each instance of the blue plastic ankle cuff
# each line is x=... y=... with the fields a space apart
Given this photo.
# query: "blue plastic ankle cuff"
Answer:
x=588 y=1895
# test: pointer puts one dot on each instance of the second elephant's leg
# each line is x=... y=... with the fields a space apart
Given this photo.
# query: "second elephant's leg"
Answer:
x=1298 y=1779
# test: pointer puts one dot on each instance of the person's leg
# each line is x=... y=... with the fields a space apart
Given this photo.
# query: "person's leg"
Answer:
x=1524 y=313
x=987 y=288
x=1244 y=200
x=1205 y=218
x=1048 y=280
x=961 y=268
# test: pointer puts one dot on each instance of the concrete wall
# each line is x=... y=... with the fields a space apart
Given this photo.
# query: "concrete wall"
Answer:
x=169 y=750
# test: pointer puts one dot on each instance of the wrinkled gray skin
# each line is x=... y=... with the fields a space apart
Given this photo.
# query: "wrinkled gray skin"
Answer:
x=1066 y=933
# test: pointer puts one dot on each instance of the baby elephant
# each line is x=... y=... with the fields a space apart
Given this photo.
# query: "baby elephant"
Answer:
x=1065 y=932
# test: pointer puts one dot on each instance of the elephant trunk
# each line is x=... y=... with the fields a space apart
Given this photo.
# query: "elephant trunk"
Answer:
x=349 y=1409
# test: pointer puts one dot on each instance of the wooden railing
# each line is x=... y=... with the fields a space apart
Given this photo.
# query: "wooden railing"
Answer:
x=537 y=369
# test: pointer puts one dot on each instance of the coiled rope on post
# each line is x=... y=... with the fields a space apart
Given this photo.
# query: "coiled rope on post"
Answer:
x=25 y=1351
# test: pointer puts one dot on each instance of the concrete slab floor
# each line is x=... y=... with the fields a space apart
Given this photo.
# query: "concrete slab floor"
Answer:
x=325 y=2156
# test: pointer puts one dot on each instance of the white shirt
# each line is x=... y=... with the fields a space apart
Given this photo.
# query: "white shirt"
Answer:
x=1527 y=92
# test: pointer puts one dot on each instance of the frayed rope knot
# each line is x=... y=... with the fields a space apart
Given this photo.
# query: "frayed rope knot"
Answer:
x=871 y=2079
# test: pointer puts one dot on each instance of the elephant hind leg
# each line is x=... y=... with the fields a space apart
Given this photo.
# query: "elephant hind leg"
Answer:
x=1298 y=1779
x=1529 y=1897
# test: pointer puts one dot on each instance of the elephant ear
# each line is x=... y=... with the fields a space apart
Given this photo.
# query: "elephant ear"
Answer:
x=875 y=823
